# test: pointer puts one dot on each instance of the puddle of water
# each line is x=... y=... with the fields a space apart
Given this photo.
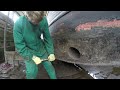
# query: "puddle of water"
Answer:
x=91 y=74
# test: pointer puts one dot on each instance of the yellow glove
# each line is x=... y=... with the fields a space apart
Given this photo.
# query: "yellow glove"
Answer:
x=51 y=57
x=37 y=60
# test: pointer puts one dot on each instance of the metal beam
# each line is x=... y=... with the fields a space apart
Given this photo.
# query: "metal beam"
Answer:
x=5 y=30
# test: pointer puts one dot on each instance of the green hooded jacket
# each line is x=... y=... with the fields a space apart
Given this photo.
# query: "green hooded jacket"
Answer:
x=27 y=38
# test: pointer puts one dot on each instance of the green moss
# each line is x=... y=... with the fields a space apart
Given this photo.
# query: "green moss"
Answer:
x=116 y=71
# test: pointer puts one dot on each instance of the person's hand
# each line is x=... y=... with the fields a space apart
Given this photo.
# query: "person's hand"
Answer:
x=51 y=57
x=36 y=59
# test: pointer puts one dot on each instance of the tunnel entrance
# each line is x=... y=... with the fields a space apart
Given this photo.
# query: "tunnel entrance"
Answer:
x=74 y=53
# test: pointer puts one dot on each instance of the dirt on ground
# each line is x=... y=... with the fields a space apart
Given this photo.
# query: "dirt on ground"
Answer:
x=63 y=71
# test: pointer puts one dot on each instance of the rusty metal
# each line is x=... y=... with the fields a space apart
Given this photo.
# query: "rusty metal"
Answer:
x=98 y=44
x=100 y=23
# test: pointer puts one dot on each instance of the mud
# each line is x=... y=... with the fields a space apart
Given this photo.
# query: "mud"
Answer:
x=63 y=71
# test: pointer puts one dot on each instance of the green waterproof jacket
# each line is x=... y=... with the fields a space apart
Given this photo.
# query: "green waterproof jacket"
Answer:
x=27 y=38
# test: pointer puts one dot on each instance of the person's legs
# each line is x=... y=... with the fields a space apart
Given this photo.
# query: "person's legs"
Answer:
x=31 y=69
x=50 y=69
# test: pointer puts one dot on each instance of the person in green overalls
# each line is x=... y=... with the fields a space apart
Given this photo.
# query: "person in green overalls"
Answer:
x=29 y=44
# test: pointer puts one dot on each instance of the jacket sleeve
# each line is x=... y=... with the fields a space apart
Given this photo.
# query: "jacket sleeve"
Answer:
x=47 y=38
x=20 y=45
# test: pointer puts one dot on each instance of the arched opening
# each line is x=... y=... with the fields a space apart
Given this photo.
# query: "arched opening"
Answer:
x=74 y=53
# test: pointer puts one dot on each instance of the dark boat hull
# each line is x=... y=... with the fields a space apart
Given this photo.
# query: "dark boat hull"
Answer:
x=87 y=37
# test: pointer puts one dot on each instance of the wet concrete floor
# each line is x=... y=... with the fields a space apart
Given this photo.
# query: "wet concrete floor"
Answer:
x=103 y=72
